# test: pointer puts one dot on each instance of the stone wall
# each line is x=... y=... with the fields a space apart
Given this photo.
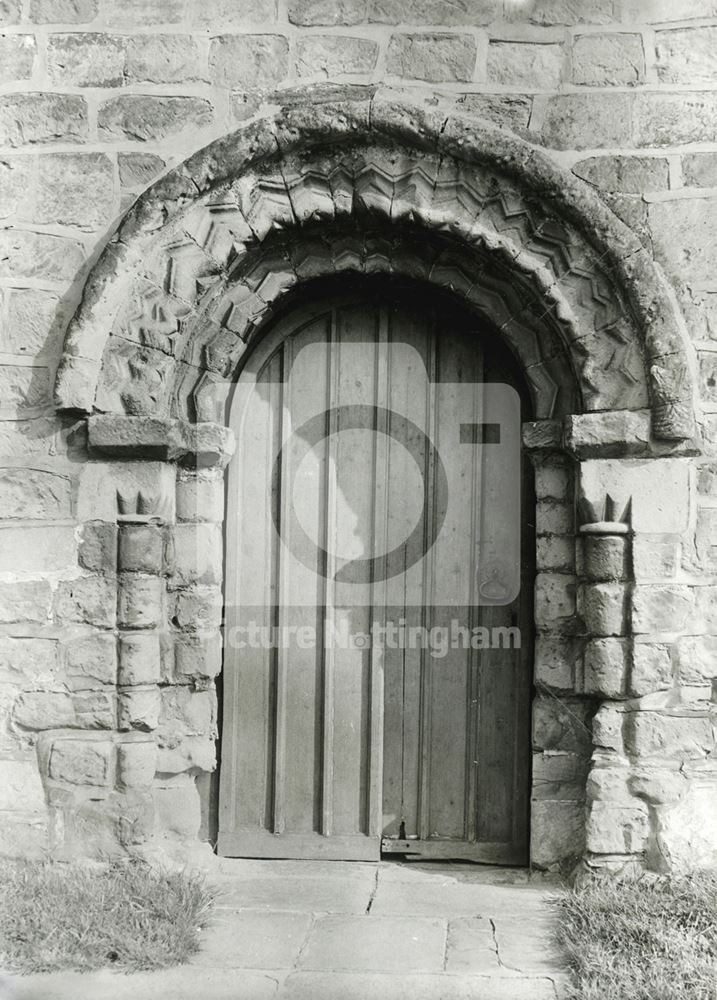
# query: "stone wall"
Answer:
x=109 y=624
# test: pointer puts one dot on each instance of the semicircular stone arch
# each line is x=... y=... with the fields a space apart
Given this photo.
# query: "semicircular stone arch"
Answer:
x=374 y=186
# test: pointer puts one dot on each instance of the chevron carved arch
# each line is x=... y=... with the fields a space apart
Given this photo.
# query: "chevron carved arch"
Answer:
x=207 y=255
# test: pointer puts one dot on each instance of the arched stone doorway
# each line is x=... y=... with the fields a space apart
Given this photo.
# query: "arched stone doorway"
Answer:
x=378 y=185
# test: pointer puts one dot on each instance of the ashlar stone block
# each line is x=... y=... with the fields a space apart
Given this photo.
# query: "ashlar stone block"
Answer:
x=139 y=602
x=139 y=708
x=651 y=669
x=654 y=734
x=661 y=608
x=616 y=829
x=139 y=658
x=697 y=659
x=137 y=764
x=198 y=655
x=607 y=663
x=141 y=548
x=91 y=661
x=81 y=762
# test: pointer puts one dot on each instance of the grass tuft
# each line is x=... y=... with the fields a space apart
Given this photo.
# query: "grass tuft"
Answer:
x=126 y=915
x=647 y=938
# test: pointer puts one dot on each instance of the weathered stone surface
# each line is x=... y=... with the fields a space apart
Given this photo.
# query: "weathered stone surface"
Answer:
x=40 y=256
x=140 y=13
x=139 y=708
x=75 y=189
x=63 y=11
x=658 y=608
x=20 y=783
x=25 y=601
x=24 y=388
x=142 y=117
x=616 y=829
x=198 y=656
x=139 y=658
x=559 y=775
x=137 y=170
x=198 y=550
x=15 y=193
x=98 y=547
x=27 y=119
x=91 y=660
x=671 y=119
x=10 y=11
x=651 y=734
x=249 y=61
x=190 y=752
x=625 y=174
x=139 y=603
x=230 y=14
x=553 y=518
x=687 y=55
x=141 y=548
x=199 y=608
x=510 y=110
x=557 y=831
x=186 y=712
x=697 y=659
x=432 y=57
x=684 y=234
x=651 y=669
x=326 y=12
x=165 y=59
x=34 y=494
x=700 y=169
x=89 y=599
x=607 y=664
x=605 y=557
x=685 y=836
x=706 y=538
x=549 y=12
x=555 y=552
x=35 y=323
x=557 y=659
x=29 y=662
x=86 y=60
x=17 y=56
x=603 y=608
x=200 y=497
x=469 y=12
x=81 y=763
x=554 y=598
x=137 y=764
x=330 y=55
x=561 y=725
x=654 y=11
x=59 y=710
x=654 y=557
x=658 y=488
x=603 y=435
x=608 y=59
x=607 y=728
x=582 y=121
x=525 y=64
x=178 y=809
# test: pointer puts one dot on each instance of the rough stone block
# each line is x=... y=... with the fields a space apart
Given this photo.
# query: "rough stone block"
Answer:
x=607 y=729
x=25 y=601
x=557 y=661
x=605 y=557
x=607 y=663
x=553 y=481
x=554 y=518
x=98 y=547
x=655 y=11
x=75 y=189
x=139 y=708
x=658 y=488
x=137 y=764
x=28 y=662
x=200 y=497
x=556 y=552
x=559 y=12
x=230 y=14
x=559 y=775
x=178 y=809
x=469 y=12
x=603 y=608
x=27 y=119
x=17 y=57
x=192 y=752
x=561 y=724
x=42 y=710
x=89 y=599
x=139 y=602
x=705 y=617
x=63 y=11
x=651 y=734
x=699 y=170
x=10 y=12
x=199 y=608
x=81 y=763
x=91 y=660
x=327 y=12
x=673 y=119
x=706 y=538
x=186 y=712
x=525 y=64
x=432 y=57
x=40 y=256
x=509 y=110
x=685 y=837
x=587 y=121
x=198 y=554
x=687 y=55
x=557 y=832
x=697 y=659
x=138 y=170
x=20 y=782
x=165 y=59
x=141 y=548
x=24 y=388
x=334 y=55
x=143 y=13
x=249 y=61
x=608 y=434
x=608 y=59
x=198 y=655
x=142 y=117
x=554 y=598
x=654 y=557
x=625 y=174
x=616 y=829
x=139 y=658
x=684 y=234
x=661 y=608
x=84 y=59
x=651 y=669
x=34 y=494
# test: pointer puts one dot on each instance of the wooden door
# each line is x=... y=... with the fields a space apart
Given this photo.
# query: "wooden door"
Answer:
x=356 y=506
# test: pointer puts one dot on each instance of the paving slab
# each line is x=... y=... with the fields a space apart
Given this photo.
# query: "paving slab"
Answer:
x=471 y=947
x=528 y=946
x=365 y=986
x=433 y=896
x=374 y=944
x=181 y=983
x=303 y=895
x=253 y=939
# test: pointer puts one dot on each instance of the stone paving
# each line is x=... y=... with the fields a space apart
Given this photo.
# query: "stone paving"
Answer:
x=290 y=930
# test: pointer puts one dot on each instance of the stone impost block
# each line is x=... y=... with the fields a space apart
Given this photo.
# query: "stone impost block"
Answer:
x=198 y=655
x=651 y=669
x=91 y=661
x=141 y=548
x=139 y=602
x=139 y=708
x=607 y=434
x=205 y=444
x=81 y=762
x=607 y=664
x=616 y=829
x=605 y=557
x=139 y=658
x=98 y=547
x=661 y=608
x=655 y=734
x=603 y=608
x=137 y=764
